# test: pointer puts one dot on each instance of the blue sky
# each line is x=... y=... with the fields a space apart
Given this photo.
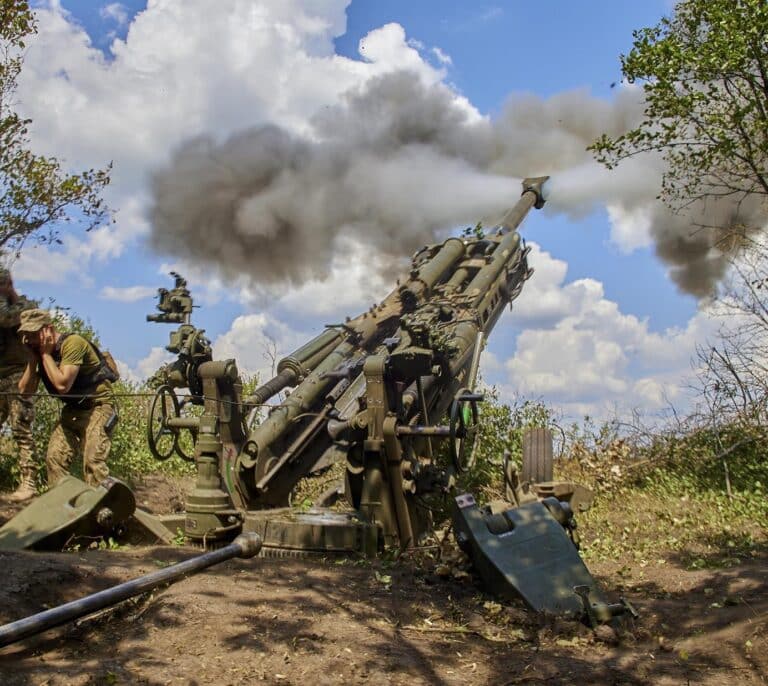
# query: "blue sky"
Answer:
x=495 y=50
x=545 y=48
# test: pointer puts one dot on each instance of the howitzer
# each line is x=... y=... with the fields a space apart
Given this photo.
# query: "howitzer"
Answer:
x=371 y=392
x=376 y=394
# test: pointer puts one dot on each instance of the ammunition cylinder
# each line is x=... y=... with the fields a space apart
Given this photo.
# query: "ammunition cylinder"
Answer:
x=308 y=391
x=429 y=273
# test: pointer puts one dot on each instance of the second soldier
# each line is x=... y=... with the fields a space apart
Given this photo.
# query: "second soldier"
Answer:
x=18 y=410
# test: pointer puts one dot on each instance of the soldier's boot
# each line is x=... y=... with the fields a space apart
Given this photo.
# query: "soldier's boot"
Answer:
x=26 y=489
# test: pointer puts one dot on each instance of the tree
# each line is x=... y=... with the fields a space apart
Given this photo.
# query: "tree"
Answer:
x=733 y=371
x=704 y=73
x=36 y=194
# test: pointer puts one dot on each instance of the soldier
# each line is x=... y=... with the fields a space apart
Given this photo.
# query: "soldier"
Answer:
x=15 y=408
x=74 y=370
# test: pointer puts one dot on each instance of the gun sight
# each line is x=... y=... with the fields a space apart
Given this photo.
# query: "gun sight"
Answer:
x=175 y=305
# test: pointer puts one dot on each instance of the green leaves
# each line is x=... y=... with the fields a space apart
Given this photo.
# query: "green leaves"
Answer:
x=704 y=73
x=36 y=194
x=501 y=431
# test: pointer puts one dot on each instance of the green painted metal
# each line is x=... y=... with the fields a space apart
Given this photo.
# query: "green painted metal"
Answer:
x=321 y=531
x=244 y=546
x=66 y=512
x=524 y=552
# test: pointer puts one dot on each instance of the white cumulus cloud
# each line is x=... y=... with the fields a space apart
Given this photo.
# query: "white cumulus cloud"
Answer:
x=116 y=12
x=183 y=70
x=127 y=294
x=579 y=351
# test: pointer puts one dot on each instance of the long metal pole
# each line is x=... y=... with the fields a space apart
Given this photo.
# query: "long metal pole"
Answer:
x=245 y=545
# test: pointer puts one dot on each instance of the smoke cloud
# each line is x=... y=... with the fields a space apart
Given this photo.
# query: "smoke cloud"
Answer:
x=400 y=160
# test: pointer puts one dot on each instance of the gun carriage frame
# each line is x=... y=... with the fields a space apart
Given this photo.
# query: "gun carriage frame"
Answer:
x=369 y=392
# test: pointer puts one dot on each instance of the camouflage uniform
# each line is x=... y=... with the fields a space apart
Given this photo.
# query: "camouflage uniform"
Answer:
x=80 y=431
x=87 y=417
x=14 y=408
x=20 y=413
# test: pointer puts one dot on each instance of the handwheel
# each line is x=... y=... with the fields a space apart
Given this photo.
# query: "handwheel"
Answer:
x=463 y=429
x=162 y=439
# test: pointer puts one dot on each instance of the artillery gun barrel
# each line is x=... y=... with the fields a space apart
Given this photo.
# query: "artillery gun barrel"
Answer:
x=245 y=546
x=533 y=196
x=308 y=357
x=480 y=288
x=487 y=292
x=489 y=303
x=291 y=368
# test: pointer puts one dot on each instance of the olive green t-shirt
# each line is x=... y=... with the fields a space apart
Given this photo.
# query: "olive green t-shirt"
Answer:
x=77 y=351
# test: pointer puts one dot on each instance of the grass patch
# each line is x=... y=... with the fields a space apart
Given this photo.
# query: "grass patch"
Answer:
x=651 y=503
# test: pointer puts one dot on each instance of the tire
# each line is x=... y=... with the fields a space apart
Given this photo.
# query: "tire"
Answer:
x=537 y=455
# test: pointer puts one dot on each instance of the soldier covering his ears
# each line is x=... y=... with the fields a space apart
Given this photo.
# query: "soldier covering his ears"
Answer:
x=74 y=370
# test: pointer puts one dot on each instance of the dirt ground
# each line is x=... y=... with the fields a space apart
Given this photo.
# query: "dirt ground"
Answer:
x=300 y=621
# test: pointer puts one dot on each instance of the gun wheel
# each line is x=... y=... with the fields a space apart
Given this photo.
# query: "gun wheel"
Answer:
x=183 y=454
x=182 y=443
x=163 y=440
x=464 y=430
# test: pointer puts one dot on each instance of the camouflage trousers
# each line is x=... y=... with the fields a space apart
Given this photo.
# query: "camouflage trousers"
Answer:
x=20 y=413
x=80 y=432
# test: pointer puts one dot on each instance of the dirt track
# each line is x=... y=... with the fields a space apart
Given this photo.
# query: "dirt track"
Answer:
x=286 y=621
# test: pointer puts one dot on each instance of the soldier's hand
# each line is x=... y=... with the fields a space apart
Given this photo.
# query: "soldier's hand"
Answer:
x=47 y=341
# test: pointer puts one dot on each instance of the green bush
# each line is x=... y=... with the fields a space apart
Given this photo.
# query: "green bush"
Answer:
x=129 y=455
x=501 y=433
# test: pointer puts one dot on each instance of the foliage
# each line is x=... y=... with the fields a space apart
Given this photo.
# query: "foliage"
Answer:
x=704 y=73
x=501 y=434
x=129 y=456
x=664 y=492
x=474 y=232
x=36 y=194
x=733 y=371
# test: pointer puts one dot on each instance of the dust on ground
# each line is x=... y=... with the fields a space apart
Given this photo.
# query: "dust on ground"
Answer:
x=314 y=621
